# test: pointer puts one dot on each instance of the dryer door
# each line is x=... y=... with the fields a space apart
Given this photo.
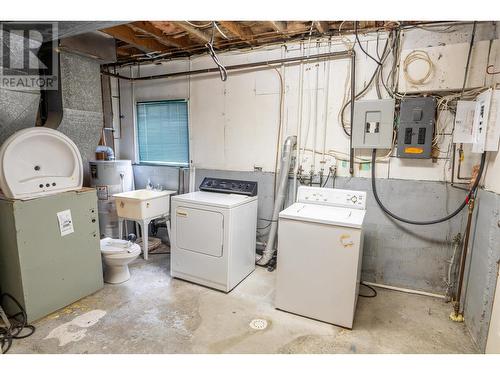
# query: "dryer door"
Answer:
x=201 y=231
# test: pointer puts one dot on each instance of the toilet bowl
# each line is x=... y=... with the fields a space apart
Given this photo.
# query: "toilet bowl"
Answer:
x=117 y=254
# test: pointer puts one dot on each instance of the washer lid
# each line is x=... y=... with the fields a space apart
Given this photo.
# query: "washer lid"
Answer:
x=346 y=217
x=114 y=246
x=214 y=199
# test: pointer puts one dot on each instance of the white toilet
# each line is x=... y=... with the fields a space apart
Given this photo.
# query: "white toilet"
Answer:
x=117 y=254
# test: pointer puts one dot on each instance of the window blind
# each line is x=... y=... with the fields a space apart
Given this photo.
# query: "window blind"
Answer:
x=162 y=132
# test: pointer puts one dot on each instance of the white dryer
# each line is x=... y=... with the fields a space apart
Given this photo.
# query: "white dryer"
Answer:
x=320 y=246
x=213 y=233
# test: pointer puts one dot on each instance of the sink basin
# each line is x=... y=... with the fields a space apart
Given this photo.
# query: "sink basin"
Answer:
x=39 y=161
x=143 y=204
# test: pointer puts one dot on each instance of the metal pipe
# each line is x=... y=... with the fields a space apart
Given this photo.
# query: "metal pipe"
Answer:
x=286 y=158
x=315 y=129
x=353 y=99
x=110 y=154
x=119 y=107
x=458 y=310
x=299 y=132
x=461 y=156
x=329 y=55
x=325 y=111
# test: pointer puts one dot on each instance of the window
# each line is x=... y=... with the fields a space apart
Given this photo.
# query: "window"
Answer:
x=162 y=132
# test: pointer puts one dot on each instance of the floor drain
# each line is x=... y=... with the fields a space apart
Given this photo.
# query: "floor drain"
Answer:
x=259 y=324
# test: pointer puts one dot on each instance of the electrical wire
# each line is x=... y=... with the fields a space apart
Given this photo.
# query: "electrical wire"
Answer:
x=368 y=295
x=363 y=92
x=18 y=323
x=280 y=127
x=213 y=55
x=327 y=177
x=448 y=29
x=199 y=26
x=418 y=55
x=469 y=54
x=434 y=221
x=490 y=71
x=360 y=46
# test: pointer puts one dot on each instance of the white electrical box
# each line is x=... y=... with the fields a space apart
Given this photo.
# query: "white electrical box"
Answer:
x=486 y=127
x=464 y=120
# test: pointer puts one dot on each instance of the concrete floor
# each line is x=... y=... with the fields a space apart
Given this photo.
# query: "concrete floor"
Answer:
x=153 y=313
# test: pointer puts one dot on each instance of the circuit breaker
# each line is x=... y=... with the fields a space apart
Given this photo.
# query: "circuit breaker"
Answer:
x=416 y=127
x=373 y=123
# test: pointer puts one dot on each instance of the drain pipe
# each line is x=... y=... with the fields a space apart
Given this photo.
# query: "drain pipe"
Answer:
x=286 y=158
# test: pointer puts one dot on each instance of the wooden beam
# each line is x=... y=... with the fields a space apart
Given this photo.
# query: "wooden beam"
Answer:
x=278 y=26
x=126 y=51
x=194 y=31
x=150 y=29
x=238 y=31
x=127 y=35
x=322 y=26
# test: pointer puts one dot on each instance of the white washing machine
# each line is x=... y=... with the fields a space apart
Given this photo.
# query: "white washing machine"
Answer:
x=213 y=233
x=320 y=246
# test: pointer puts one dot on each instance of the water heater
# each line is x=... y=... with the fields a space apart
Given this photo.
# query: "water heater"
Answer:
x=110 y=177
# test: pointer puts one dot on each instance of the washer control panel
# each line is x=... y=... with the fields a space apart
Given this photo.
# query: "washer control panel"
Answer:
x=219 y=185
x=332 y=197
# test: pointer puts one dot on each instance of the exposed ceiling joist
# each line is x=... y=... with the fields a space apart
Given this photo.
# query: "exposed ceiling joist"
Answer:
x=322 y=26
x=127 y=50
x=150 y=29
x=128 y=36
x=238 y=31
x=170 y=39
x=278 y=26
x=196 y=32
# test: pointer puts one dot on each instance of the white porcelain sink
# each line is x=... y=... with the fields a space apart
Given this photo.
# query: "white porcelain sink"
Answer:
x=143 y=204
x=39 y=161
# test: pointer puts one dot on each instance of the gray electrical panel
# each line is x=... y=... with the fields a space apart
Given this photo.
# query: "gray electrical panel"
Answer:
x=373 y=123
x=416 y=127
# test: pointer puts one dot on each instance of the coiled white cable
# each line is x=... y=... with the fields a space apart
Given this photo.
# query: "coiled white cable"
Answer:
x=418 y=55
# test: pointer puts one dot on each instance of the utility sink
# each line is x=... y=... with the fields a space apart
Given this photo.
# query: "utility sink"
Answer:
x=143 y=204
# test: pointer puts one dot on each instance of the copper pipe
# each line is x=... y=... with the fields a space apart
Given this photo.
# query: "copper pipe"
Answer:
x=458 y=296
x=460 y=153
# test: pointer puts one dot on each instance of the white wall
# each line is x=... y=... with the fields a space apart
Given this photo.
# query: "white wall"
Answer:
x=234 y=124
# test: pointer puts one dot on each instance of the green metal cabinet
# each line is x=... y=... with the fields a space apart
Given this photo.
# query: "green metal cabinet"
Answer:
x=41 y=268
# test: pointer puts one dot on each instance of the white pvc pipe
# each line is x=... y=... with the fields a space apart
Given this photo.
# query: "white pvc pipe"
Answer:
x=404 y=290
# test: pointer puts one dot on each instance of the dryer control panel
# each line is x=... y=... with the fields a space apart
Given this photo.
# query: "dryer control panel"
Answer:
x=219 y=185
x=332 y=197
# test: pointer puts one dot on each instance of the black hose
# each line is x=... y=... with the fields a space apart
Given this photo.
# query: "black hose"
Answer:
x=374 y=292
x=429 y=222
x=18 y=323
